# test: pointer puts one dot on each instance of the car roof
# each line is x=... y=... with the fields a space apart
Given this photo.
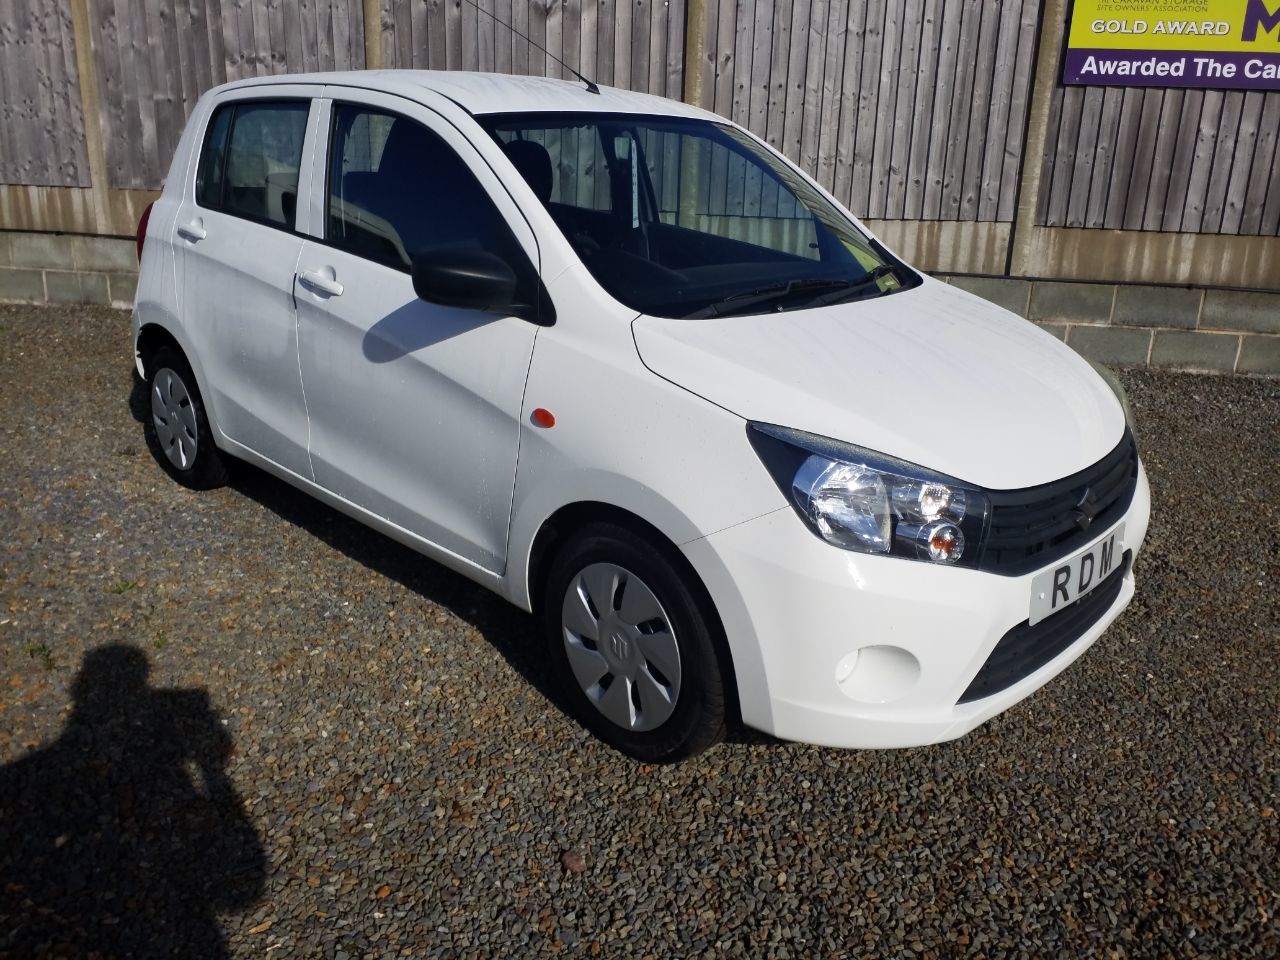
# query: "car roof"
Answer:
x=483 y=93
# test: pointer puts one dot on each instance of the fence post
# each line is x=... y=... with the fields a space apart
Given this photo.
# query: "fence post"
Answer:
x=1045 y=81
x=695 y=53
x=95 y=151
x=373 y=34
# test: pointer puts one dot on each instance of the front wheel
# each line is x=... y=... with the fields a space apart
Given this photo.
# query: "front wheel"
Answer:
x=633 y=647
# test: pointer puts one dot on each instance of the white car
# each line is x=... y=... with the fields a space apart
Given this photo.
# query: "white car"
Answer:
x=621 y=362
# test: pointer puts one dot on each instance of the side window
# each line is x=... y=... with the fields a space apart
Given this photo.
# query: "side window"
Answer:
x=397 y=190
x=212 y=158
x=249 y=167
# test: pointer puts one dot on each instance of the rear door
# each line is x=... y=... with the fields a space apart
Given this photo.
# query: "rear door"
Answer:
x=237 y=232
x=414 y=407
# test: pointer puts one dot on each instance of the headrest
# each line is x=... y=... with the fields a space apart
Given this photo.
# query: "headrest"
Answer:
x=534 y=164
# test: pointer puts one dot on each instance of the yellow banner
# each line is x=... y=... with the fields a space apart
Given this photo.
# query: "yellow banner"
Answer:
x=1239 y=26
x=1206 y=44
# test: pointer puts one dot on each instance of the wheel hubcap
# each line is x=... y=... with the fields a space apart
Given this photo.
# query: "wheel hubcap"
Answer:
x=174 y=418
x=621 y=647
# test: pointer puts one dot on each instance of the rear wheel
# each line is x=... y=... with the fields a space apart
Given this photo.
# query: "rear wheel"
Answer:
x=177 y=428
x=632 y=646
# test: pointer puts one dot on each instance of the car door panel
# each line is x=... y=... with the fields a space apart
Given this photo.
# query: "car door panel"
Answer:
x=238 y=306
x=414 y=407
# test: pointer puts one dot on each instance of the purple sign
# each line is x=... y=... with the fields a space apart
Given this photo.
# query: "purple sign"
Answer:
x=1161 y=68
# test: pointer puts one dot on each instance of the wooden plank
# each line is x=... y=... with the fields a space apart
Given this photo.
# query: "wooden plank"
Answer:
x=70 y=165
x=486 y=35
x=828 y=121
x=995 y=135
x=916 y=165
x=891 y=47
x=605 y=43
x=260 y=57
x=587 y=41
x=1242 y=161
x=674 y=13
x=985 y=69
x=1207 y=137
x=139 y=114
x=640 y=29
x=809 y=107
x=1262 y=193
x=657 y=77
x=519 y=46
x=1220 y=163
x=779 y=70
x=622 y=44
x=944 y=85
x=1166 y=143
x=961 y=104
x=864 y=141
x=1184 y=146
x=170 y=92
x=780 y=50
x=1122 y=149
x=436 y=41
x=758 y=97
x=1084 y=159
x=1023 y=73
x=726 y=29
x=468 y=57
x=1135 y=209
x=538 y=33
x=1104 y=156
x=898 y=158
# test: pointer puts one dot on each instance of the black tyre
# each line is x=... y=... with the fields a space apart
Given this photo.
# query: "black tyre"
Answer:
x=633 y=647
x=176 y=427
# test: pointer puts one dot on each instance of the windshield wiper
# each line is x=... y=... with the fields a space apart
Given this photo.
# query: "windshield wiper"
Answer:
x=875 y=275
x=777 y=291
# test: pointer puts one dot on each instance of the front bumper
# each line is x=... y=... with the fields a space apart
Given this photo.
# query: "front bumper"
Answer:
x=851 y=650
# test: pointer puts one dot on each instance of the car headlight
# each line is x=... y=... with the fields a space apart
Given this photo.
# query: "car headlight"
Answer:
x=1112 y=381
x=864 y=501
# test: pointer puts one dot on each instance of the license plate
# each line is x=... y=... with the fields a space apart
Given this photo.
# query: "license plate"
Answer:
x=1072 y=579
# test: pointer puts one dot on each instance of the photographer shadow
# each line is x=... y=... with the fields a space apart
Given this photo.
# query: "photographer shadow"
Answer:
x=125 y=837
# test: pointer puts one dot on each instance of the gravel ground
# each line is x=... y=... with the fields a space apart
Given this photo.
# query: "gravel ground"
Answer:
x=342 y=750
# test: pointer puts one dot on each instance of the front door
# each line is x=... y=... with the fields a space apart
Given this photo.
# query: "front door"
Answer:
x=414 y=407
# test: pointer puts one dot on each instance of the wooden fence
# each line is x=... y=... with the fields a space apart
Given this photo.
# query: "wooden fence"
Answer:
x=1194 y=161
x=41 y=122
x=917 y=114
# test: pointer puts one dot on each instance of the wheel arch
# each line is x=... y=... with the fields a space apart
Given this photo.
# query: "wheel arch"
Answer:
x=557 y=529
x=151 y=338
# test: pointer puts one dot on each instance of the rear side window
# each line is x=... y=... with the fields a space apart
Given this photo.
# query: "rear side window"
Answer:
x=397 y=190
x=249 y=165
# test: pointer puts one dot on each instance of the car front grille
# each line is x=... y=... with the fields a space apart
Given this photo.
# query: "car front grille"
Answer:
x=1032 y=528
x=1026 y=648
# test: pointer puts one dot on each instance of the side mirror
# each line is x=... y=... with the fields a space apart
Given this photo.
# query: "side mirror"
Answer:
x=465 y=277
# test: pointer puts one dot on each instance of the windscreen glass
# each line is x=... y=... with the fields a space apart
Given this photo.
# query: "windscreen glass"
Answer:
x=679 y=217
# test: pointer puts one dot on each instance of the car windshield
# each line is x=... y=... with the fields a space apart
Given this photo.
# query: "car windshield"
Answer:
x=679 y=217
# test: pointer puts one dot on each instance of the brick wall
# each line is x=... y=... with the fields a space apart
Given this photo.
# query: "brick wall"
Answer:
x=62 y=268
x=1187 y=328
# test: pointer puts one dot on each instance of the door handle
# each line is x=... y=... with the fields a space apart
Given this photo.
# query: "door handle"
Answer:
x=192 y=231
x=318 y=282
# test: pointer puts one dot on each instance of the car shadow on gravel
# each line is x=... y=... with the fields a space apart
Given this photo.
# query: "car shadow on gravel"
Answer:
x=514 y=634
x=124 y=837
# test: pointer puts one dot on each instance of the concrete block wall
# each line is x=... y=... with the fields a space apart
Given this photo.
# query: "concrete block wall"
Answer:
x=67 y=268
x=1186 y=328
x=1183 y=328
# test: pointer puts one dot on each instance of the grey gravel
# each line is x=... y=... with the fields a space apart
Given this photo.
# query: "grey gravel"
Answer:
x=375 y=765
